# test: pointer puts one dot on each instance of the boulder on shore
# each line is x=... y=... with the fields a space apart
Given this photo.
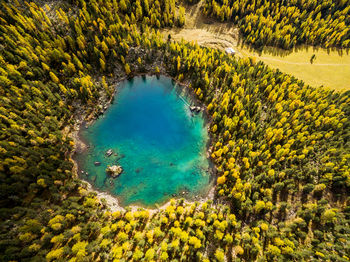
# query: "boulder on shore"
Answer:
x=114 y=171
x=195 y=109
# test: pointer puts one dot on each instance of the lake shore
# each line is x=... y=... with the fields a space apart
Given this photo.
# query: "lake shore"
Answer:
x=114 y=205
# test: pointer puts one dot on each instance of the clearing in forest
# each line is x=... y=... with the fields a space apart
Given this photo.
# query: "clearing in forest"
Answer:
x=330 y=68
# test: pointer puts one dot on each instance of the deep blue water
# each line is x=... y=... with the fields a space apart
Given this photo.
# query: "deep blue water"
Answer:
x=161 y=147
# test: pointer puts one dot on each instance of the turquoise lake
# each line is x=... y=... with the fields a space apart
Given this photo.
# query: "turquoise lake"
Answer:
x=159 y=143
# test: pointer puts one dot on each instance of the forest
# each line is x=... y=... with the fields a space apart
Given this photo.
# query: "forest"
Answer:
x=281 y=148
x=286 y=24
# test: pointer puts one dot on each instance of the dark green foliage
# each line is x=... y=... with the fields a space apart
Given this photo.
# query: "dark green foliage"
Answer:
x=286 y=23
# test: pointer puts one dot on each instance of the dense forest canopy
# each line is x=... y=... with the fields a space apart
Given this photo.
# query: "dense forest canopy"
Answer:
x=286 y=23
x=281 y=148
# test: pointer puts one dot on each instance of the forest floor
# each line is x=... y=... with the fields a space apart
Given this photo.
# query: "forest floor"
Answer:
x=331 y=68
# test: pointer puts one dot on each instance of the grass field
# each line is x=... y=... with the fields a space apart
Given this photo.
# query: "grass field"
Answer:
x=331 y=68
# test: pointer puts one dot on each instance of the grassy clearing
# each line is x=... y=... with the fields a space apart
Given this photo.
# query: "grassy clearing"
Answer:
x=331 y=68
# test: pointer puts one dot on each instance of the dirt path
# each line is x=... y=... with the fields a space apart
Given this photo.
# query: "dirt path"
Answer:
x=207 y=32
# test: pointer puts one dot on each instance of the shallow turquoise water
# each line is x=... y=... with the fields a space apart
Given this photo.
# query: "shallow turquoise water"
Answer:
x=160 y=146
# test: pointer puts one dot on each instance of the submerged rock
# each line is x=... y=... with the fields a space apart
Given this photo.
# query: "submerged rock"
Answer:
x=97 y=163
x=109 y=152
x=114 y=171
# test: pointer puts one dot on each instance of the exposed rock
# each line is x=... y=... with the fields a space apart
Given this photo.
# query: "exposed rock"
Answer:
x=97 y=163
x=195 y=109
x=109 y=152
x=114 y=171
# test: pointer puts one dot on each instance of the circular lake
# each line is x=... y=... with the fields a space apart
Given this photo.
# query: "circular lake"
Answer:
x=154 y=136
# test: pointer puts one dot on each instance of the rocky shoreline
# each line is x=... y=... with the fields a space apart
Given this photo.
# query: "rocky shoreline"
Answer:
x=114 y=205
